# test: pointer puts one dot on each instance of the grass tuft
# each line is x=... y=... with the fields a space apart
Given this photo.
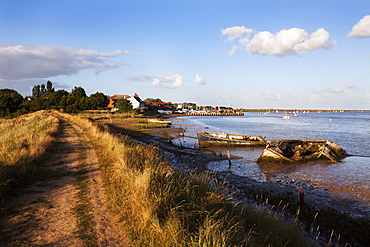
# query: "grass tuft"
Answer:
x=23 y=141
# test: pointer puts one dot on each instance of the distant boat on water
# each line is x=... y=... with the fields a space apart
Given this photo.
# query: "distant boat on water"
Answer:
x=219 y=139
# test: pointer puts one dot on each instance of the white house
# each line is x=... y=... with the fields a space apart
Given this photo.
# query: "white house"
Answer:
x=135 y=101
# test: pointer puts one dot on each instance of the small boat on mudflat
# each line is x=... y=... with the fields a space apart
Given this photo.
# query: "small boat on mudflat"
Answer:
x=218 y=139
x=290 y=151
x=157 y=120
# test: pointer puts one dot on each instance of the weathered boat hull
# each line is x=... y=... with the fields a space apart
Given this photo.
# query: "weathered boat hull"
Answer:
x=297 y=151
x=207 y=139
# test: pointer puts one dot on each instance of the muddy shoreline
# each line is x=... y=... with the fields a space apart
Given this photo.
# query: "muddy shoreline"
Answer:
x=189 y=159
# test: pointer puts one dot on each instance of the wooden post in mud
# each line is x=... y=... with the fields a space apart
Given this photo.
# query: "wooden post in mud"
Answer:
x=301 y=199
x=229 y=158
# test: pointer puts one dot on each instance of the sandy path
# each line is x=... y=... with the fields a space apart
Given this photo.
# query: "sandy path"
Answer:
x=42 y=213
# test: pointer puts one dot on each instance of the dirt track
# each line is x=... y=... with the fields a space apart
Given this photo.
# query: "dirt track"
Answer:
x=43 y=212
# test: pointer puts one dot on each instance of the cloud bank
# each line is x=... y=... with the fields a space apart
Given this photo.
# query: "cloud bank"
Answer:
x=26 y=62
x=361 y=29
x=174 y=81
x=294 y=41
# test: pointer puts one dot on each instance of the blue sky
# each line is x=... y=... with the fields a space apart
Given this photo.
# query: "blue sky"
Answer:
x=250 y=54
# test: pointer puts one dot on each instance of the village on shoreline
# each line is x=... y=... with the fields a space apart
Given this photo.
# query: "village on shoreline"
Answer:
x=198 y=110
x=45 y=97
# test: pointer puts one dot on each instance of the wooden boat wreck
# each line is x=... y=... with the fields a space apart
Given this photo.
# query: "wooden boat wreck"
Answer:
x=290 y=151
x=218 y=139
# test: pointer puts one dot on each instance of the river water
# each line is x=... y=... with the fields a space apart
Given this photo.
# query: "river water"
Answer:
x=349 y=178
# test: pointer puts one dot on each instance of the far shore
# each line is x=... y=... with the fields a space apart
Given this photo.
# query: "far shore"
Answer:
x=274 y=110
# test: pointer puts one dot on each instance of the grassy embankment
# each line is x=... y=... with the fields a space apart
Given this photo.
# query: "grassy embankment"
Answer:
x=23 y=140
x=160 y=206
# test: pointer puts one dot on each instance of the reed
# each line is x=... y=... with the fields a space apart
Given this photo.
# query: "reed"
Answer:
x=23 y=140
x=160 y=206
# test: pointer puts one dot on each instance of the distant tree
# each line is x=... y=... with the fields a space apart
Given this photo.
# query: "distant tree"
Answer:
x=80 y=98
x=150 y=100
x=208 y=107
x=36 y=91
x=10 y=101
x=79 y=93
x=63 y=101
x=38 y=104
x=71 y=108
x=123 y=105
x=71 y=99
x=56 y=99
x=42 y=90
x=49 y=89
x=98 y=101
x=187 y=105
x=84 y=104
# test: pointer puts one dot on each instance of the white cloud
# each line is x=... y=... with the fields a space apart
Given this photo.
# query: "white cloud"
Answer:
x=287 y=41
x=174 y=81
x=361 y=28
x=334 y=89
x=236 y=32
x=269 y=95
x=234 y=50
x=315 y=96
x=199 y=80
x=22 y=62
x=218 y=95
x=350 y=85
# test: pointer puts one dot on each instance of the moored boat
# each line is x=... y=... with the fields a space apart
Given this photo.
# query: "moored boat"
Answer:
x=290 y=151
x=219 y=139
x=157 y=120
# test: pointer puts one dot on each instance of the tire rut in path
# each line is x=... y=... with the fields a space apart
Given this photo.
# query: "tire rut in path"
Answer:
x=42 y=213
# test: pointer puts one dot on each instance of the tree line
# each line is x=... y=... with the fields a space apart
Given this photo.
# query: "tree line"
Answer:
x=45 y=97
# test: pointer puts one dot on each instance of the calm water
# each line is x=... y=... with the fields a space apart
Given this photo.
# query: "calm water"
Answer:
x=349 y=178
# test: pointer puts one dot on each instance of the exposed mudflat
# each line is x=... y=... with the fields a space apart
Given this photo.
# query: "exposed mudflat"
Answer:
x=272 y=178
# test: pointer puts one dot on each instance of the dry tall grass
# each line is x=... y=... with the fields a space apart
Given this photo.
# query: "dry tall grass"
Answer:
x=160 y=206
x=22 y=141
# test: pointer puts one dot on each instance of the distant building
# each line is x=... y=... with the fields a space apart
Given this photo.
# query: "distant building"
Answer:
x=114 y=98
x=162 y=107
x=135 y=101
